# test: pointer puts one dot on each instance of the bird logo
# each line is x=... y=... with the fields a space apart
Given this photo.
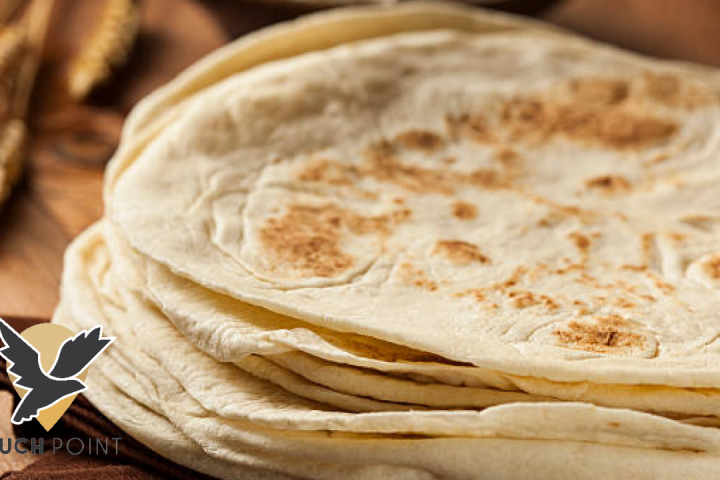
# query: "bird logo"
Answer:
x=50 y=376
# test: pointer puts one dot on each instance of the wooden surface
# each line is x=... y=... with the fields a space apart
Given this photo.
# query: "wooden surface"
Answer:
x=60 y=194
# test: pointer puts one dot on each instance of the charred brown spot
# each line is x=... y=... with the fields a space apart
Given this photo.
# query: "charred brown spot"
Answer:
x=526 y=299
x=464 y=210
x=600 y=91
x=414 y=276
x=607 y=335
x=326 y=171
x=474 y=127
x=712 y=267
x=582 y=243
x=608 y=183
x=308 y=237
x=459 y=252
x=382 y=163
x=608 y=122
x=507 y=156
x=669 y=90
x=420 y=140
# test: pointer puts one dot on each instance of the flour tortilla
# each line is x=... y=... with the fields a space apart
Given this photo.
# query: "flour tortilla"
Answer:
x=308 y=33
x=215 y=152
x=138 y=348
x=224 y=389
x=551 y=459
x=115 y=393
x=229 y=330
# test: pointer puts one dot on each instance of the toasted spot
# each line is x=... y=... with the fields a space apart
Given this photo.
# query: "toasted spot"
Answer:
x=606 y=335
x=382 y=163
x=624 y=303
x=634 y=268
x=326 y=171
x=582 y=243
x=703 y=223
x=600 y=91
x=459 y=252
x=464 y=210
x=525 y=299
x=474 y=127
x=414 y=276
x=550 y=220
x=507 y=156
x=608 y=183
x=308 y=237
x=486 y=178
x=712 y=267
x=607 y=121
x=420 y=140
x=669 y=90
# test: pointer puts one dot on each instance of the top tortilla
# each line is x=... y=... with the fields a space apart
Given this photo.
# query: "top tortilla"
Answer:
x=528 y=203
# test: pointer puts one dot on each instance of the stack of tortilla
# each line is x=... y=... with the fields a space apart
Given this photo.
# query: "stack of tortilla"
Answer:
x=419 y=241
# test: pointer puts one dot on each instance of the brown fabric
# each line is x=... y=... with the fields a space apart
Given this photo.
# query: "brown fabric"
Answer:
x=133 y=461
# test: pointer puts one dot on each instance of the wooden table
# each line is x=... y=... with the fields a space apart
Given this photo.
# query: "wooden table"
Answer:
x=61 y=193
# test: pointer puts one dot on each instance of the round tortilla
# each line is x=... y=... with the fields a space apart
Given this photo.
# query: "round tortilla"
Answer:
x=611 y=251
x=277 y=423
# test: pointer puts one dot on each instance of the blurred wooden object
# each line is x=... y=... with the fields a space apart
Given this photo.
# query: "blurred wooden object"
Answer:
x=681 y=29
x=71 y=142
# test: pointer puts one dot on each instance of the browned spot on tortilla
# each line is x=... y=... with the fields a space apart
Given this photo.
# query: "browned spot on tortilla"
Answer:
x=606 y=126
x=308 y=237
x=608 y=183
x=486 y=178
x=383 y=163
x=676 y=237
x=660 y=284
x=634 y=268
x=624 y=303
x=552 y=219
x=596 y=111
x=420 y=140
x=712 y=267
x=414 y=276
x=526 y=299
x=459 y=252
x=323 y=170
x=507 y=156
x=602 y=91
x=582 y=242
x=464 y=210
x=474 y=127
x=478 y=294
x=607 y=335
x=668 y=89
x=704 y=223
x=449 y=161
